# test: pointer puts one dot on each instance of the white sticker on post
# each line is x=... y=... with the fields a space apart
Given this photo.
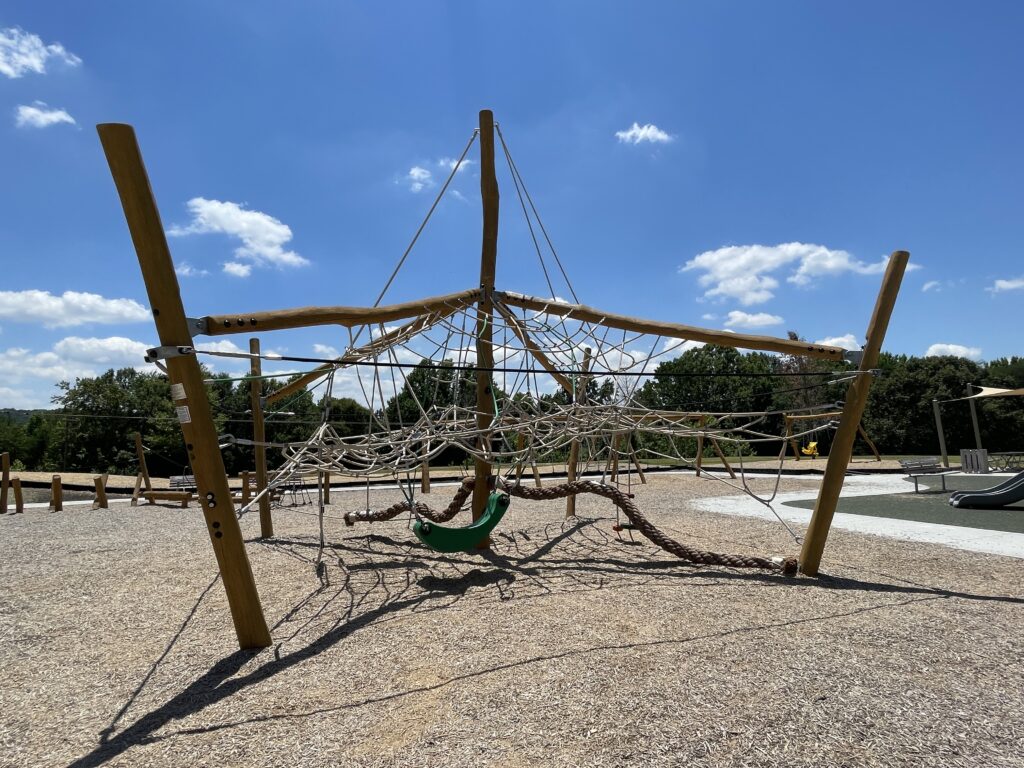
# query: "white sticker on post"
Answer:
x=177 y=391
x=184 y=416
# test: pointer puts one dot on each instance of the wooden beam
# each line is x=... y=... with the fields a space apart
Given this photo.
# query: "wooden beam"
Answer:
x=187 y=389
x=942 y=433
x=533 y=349
x=670 y=330
x=425 y=476
x=974 y=418
x=395 y=336
x=140 y=451
x=853 y=410
x=308 y=317
x=246 y=493
x=259 y=435
x=485 y=315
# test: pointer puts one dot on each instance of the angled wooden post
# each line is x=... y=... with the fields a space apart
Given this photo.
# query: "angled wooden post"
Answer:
x=19 y=500
x=853 y=409
x=5 y=479
x=245 y=494
x=187 y=389
x=942 y=433
x=259 y=437
x=100 y=502
x=425 y=476
x=485 y=317
x=974 y=419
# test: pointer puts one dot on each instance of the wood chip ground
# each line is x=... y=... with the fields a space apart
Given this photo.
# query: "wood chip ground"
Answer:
x=565 y=646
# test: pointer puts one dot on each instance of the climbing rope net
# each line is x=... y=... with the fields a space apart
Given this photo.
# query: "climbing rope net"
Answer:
x=566 y=384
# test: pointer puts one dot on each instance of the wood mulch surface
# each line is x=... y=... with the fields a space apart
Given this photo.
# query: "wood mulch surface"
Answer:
x=563 y=646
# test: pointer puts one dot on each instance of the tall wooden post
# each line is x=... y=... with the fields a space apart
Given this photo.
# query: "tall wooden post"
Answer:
x=856 y=400
x=19 y=501
x=485 y=316
x=259 y=436
x=187 y=389
x=942 y=433
x=56 y=494
x=572 y=467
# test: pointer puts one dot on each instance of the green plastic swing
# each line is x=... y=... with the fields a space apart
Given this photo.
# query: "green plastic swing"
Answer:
x=463 y=539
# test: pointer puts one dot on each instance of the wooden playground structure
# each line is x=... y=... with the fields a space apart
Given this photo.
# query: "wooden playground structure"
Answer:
x=177 y=353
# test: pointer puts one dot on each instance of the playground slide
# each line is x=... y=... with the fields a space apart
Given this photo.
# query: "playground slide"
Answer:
x=998 y=496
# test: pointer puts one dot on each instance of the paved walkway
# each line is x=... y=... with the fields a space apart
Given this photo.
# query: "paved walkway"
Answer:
x=959 y=537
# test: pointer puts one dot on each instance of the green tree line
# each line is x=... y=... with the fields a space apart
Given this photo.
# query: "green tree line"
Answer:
x=92 y=429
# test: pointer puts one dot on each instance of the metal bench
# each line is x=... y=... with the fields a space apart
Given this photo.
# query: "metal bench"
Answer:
x=183 y=483
x=917 y=468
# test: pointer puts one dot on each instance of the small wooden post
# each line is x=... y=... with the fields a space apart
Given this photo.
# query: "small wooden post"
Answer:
x=579 y=396
x=853 y=410
x=425 y=476
x=244 y=475
x=187 y=388
x=700 y=444
x=871 y=445
x=614 y=459
x=485 y=317
x=259 y=436
x=143 y=467
x=790 y=438
x=942 y=433
x=327 y=487
x=56 y=494
x=19 y=500
x=5 y=479
x=721 y=455
x=100 y=502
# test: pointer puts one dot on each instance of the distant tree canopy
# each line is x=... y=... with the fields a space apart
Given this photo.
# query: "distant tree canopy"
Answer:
x=92 y=430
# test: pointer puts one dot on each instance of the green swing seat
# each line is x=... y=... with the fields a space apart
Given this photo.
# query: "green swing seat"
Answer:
x=463 y=539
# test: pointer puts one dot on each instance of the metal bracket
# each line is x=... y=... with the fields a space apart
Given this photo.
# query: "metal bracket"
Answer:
x=163 y=353
x=853 y=356
x=198 y=325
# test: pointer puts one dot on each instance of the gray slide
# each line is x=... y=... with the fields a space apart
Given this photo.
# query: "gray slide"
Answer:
x=991 y=498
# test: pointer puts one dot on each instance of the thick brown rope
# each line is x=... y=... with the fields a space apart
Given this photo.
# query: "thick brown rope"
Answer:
x=621 y=500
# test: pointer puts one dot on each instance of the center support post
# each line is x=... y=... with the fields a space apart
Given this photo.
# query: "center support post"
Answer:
x=485 y=318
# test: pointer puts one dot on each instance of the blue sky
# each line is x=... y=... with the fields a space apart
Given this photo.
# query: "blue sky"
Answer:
x=741 y=165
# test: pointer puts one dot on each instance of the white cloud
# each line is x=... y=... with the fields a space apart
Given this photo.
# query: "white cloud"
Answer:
x=22 y=398
x=931 y=285
x=237 y=269
x=448 y=163
x=72 y=358
x=847 y=341
x=263 y=237
x=741 y=272
x=637 y=134
x=39 y=115
x=22 y=52
x=709 y=317
x=187 y=270
x=111 y=352
x=69 y=309
x=739 y=319
x=956 y=350
x=223 y=345
x=418 y=179
x=1014 y=284
x=325 y=350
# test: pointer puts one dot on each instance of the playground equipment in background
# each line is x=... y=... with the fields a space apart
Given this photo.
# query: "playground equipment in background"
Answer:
x=983 y=392
x=548 y=331
x=793 y=418
x=1001 y=495
x=143 y=480
x=811 y=449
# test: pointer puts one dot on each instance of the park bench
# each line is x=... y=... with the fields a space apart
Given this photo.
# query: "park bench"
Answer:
x=183 y=482
x=917 y=468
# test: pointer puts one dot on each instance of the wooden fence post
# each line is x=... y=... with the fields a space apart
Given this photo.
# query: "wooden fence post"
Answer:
x=100 y=502
x=19 y=500
x=56 y=495
x=259 y=436
x=5 y=479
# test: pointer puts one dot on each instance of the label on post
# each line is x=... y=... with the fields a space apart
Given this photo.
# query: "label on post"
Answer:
x=184 y=416
x=177 y=391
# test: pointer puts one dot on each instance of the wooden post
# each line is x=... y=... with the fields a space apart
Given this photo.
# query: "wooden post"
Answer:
x=19 y=500
x=143 y=467
x=614 y=459
x=425 y=476
x=942 y=433
x=100 y=502
x=485 y=317
x=245 y=495
x=578 y=396
x=187 y=388
x=5 y=479
x=259 y=436
x=327 y=487
x=721 y=455
x=56 y=494
x=853 y=410
x=700 y=444
x=974 y=419
x=871 y=445
x=789 y=437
